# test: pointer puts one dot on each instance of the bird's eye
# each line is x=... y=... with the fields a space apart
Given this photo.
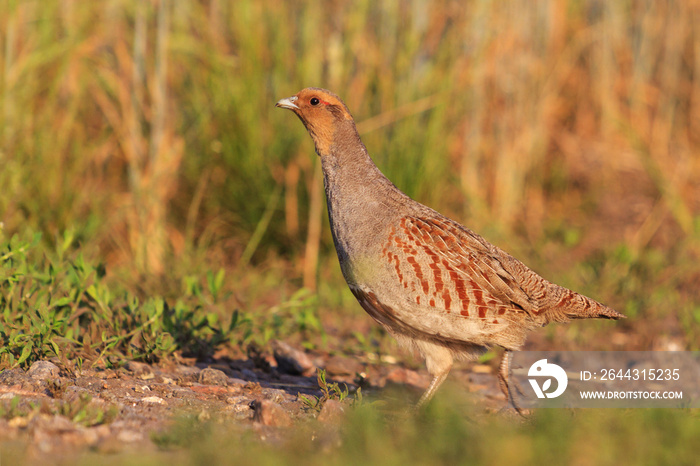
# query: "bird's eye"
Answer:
x=314 y=101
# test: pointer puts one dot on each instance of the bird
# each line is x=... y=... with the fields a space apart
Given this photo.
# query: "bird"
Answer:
x=436 y=286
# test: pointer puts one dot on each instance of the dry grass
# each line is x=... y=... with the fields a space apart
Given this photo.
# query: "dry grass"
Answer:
x=150 y=124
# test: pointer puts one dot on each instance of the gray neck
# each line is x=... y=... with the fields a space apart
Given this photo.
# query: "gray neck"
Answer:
x=361 y=200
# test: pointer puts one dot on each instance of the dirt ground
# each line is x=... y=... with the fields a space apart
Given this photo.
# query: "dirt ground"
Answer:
x=57 y=412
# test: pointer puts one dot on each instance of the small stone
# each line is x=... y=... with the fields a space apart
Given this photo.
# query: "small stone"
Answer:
x=14 y=376
x=211 y=376
x=137 y=367
x=153 y=399
x=88 y=436
x=101 y=431
x=188 y=370
x=338 y=365
x=55 y=423
x=332 y=412
x=240 y=407
x=291 y=360
x=275 y=395
x=18 y=422
x=129 y=436
x=404 y=376
x=269 y=413
x=43 y=370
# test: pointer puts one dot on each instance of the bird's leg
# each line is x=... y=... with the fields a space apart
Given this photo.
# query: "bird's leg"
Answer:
x=438 y=379
x=438 y=360
x=504 y=382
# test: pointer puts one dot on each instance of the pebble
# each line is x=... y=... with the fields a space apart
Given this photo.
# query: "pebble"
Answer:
x=43 y=370
x=269 y=413
x=18 y=422
x=240 y=407
x=338 y=365
x=137 y=367
x=153 y=399
x=291 y=360
x=332 y=412
x=211 y=376
x=404 y=376
x=12 y=376
x=129 y=436
x=188 y=370
x=275 y=395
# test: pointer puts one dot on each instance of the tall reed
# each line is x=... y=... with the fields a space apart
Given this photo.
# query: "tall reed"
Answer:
x=150 y=128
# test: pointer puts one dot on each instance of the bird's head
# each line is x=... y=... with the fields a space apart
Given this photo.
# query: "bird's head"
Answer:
x=322 y=112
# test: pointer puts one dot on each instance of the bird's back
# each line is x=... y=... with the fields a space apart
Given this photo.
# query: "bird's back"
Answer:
x=438 y=277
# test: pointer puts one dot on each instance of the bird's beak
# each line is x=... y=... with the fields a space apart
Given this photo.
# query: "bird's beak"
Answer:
x=288 y=103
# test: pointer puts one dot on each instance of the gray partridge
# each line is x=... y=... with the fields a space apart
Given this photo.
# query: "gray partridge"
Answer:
x=436 y=286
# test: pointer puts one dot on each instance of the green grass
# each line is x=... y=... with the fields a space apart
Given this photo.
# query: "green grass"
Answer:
x=58 y=304
x=79 y=410
x=440 y=435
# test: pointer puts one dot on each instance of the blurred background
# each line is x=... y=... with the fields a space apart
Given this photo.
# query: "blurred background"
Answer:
x=143 y=134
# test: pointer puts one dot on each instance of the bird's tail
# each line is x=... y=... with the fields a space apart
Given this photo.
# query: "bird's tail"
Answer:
x=565 y=305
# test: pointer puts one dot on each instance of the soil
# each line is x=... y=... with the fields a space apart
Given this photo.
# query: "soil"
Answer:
x=54 y=412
